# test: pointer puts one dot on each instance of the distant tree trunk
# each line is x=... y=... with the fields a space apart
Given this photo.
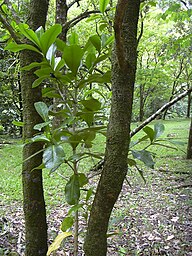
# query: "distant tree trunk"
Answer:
x=141 y=102
x=118 y=134
x=189 y=105
x=175 y=84
x=33 y=198
x=189 y=148
x=61 y=17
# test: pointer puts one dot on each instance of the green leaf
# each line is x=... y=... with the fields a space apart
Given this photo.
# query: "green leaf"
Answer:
x=17 y=123
x=101 y=58
x=159 y=129
x=14 y=47
x=56 y=243
x=87 y=116
x=74 y=140
x=29 y=33
x=73 y=55
x=39 y=32
x=91 y=104
x=50 y=55
x=40 y=138
x=42 y=72
x=144 y=156
x=89 y=194
x=32 y=65
x=83 y=180
x=150 y=132
x=75 y=208
x=109 y=41
x=90 y=59
x=96 y=42
x=97 y=78
x=103 y=5
x=72 y=190
x=39 y=80
x=53 y=156
x=41 y=125
x=50 y=93
x=49 y=37
x=42 y=110
x=74 y=38
x=67 y=223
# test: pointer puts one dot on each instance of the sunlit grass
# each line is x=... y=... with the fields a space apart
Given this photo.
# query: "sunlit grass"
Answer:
x=11 y=161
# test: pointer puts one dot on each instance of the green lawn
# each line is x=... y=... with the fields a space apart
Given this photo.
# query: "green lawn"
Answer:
x=153 y=215
x=11 y=161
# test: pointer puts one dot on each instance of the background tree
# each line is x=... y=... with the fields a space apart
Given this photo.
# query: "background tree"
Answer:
x=189 y=148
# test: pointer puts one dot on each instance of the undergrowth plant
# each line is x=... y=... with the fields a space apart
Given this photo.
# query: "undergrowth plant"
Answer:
x=73 y=79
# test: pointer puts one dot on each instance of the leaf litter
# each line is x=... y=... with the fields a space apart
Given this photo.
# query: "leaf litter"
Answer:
x=148 y=219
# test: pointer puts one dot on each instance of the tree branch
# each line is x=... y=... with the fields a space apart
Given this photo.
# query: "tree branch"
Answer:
x=77 y=19
x=159 y=111
x=73 y=2
x=141 y=31
x=100 y=164
x=7 y=26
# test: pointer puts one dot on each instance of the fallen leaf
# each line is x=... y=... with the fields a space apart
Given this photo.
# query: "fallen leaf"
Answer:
x=170 y=237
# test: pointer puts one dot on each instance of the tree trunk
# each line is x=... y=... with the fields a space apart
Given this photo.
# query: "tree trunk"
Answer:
x=141 y=102
x=189 y=148
x=118 y=134
x=189 y=105
x=33 y=198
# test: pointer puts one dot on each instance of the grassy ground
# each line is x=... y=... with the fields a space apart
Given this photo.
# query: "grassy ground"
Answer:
x=149 y=219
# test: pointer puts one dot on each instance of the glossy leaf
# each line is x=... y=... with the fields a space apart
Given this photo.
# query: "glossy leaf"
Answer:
x=74 y=140
x=32 y=65
x=39 y=80
x=96 y=41
x=17 y=123
x=53 y=156
x=67 y=223
x=83 y=180
x=42 y=110
x=144 y=156
x=73 y=39
x=89 y=194
x=29 y=33
x=150 y=132
x=72 y=190
x=91 y=104
x=49 y=37
x=103 y=5
x=90 y=59
x=41 y=137
x=39 y=32
x=14 y=47
x=159 y=129
x=75 y=208
x=57 y=242
x=73 y=55
x=40 y=126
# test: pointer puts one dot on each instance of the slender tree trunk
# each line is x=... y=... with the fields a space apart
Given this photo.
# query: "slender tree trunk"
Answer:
x=141 y=103
x=118 y=134
x=189 y=148
x=189 y=105
x=33 y=198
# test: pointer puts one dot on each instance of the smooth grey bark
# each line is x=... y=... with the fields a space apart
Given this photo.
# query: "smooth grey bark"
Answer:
x=33 y=198
x=118 y=133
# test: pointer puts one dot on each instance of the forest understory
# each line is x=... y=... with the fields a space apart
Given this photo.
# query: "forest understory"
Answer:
x=148 y=219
